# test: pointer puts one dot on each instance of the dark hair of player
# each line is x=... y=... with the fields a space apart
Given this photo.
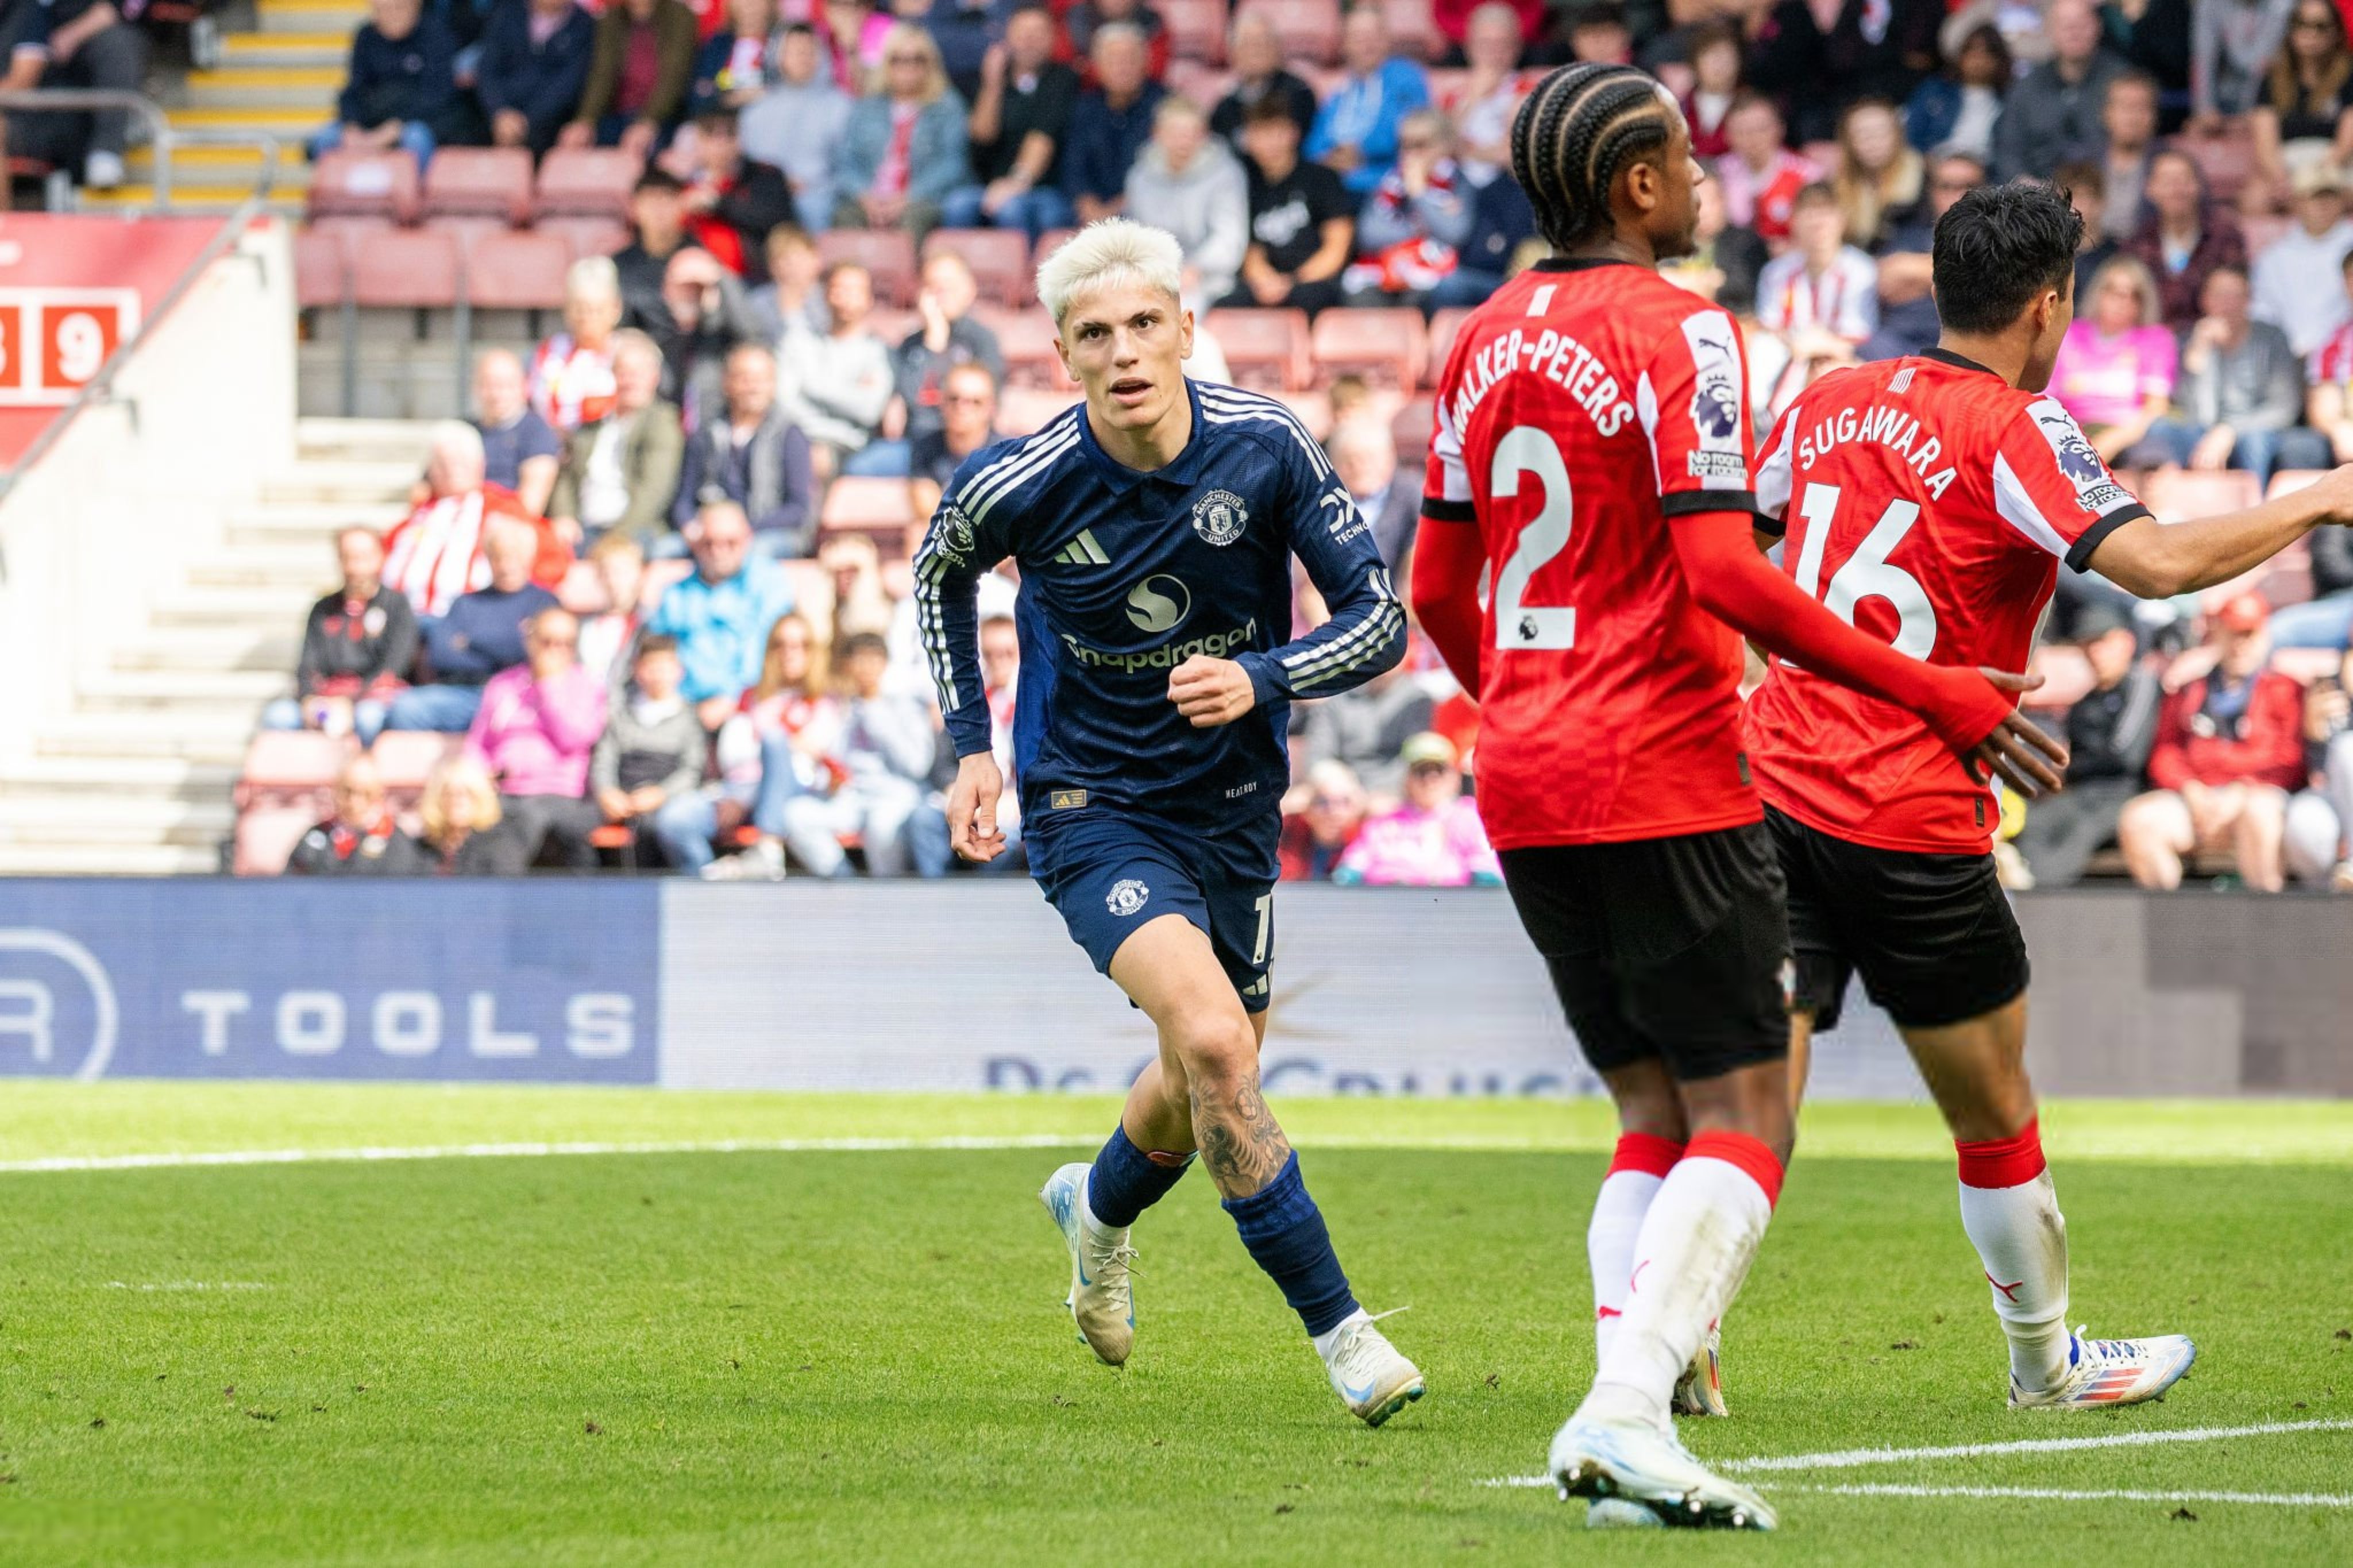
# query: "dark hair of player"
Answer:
x=1998 y=248
x=1572 y=135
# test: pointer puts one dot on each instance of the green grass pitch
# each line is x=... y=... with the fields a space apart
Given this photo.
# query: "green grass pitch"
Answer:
x=798 y=1354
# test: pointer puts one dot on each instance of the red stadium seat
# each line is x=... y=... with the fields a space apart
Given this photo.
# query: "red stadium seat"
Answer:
x=404 y=759
x=2226 y=161
x=1202 y=84
x=2287 y=481
x=2286 y=580
x=892 y=324
x=1324 y=81
x=1197 y=28
x=1416 y=32
x=1027 y=338
x=999 y=259
x=352 y=231
x=586 y=235
x=1386 y=347
x=410 y=267
x=480 y=182
x=517 y=271
x=2181 y=495
x=1313 y=408
x=1411 y=430
x=1266 y=351
x=322 y=267
x=267 y=835
x=466 y=229
x=854 y=505
x=1023 y=411
x=1444 y=326
x=585 y=181
x=291 y=767
x=1310 y=30
x=888 y=253
x=365 y=184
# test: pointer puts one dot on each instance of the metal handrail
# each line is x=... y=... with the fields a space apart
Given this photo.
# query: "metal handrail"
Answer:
x=163 y=138
x=159 y=125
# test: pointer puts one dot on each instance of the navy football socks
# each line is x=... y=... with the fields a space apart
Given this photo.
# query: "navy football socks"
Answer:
x=1284 y=1232
x=1125 y=1181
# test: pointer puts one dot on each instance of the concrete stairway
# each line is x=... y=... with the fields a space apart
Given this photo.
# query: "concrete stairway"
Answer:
x=282 y=79
x=137 y=779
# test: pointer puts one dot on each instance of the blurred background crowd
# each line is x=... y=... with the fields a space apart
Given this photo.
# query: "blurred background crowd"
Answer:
x=650 y=607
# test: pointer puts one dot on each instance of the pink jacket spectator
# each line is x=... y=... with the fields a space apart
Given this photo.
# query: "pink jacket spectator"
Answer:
x=536 y=738
x=1412 y=848
x=2101 y=380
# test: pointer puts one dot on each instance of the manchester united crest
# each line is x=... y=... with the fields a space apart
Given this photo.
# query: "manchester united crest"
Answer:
x=1220 y=517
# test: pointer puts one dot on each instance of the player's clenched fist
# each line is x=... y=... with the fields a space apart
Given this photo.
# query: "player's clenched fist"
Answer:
x=972 y=832
x=1212 y=691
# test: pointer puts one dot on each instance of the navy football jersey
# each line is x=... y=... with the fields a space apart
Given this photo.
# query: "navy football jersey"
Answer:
x=1125 y=575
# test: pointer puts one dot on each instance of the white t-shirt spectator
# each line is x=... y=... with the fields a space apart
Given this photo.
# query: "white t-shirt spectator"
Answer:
x=1844 y=299
x=2299 y=284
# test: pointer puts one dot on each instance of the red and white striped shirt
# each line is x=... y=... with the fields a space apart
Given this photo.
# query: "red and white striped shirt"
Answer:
x=2331 y=364
x=571 y=386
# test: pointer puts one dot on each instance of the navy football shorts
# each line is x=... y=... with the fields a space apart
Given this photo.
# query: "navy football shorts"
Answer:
x=1107 y=872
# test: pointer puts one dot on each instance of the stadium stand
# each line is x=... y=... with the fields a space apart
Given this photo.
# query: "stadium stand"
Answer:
x=400 y=272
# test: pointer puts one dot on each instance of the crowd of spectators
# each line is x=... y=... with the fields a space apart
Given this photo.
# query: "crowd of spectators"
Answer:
x=714 y=377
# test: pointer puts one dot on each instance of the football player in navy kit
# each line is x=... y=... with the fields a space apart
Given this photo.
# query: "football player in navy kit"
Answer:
x=1155 y=525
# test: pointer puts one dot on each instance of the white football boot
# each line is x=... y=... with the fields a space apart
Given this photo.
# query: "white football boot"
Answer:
x=1700 y=1390
x=1101 y=1300
x=2110 y=1372
x=1634 y=1460
x=1368 y=1374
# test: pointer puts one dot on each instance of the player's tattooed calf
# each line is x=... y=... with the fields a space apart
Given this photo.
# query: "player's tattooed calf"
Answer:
x=1241 y=1142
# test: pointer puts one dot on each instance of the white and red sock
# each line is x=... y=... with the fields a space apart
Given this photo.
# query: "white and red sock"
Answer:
x=1636 y=1171
x=1696 y=1243
x=2011 y=1213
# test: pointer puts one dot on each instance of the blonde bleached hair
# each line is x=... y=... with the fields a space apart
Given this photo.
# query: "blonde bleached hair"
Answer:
x=1112 y=253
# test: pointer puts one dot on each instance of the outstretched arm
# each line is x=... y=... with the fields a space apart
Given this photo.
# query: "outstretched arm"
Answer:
x=2158 y=560
x=1965 y=709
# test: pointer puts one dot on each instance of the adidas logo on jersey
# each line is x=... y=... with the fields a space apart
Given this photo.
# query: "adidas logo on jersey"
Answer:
x=1083 y=550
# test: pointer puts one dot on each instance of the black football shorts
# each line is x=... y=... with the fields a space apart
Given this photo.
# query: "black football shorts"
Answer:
x=1932 y=935
x=1673 y=948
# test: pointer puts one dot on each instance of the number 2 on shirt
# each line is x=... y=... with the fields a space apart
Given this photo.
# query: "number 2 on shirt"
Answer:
x=1525 y=449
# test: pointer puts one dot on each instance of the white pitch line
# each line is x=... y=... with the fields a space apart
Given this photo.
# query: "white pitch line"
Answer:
x=520 y=1151
x=2061 y=1494
x=1849 y=1458
x=172 y=1159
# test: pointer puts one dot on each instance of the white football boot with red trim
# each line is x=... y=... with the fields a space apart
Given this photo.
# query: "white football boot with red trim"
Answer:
x=2101 y=1373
